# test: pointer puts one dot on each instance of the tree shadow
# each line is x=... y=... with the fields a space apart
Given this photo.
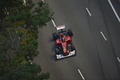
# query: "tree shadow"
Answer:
x=52 y=41
x=53 y=46
x=53 y=57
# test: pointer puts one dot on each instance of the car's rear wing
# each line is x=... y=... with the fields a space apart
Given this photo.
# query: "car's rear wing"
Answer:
x=60 y=27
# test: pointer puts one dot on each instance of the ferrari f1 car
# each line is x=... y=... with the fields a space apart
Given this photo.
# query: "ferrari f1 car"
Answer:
x=64 y=47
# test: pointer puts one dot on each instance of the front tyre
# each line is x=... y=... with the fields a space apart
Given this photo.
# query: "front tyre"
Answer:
x=70 y=33
x=56 y=51
x=72 y=47
x=55 y=36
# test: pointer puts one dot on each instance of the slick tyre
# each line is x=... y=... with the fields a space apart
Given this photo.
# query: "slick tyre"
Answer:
x=55 y=36
x=70 y=33
x=56 y=51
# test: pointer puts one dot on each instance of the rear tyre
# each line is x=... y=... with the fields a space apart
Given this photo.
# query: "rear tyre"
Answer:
x=55 y=36
x=56 y=51
x=70 y=33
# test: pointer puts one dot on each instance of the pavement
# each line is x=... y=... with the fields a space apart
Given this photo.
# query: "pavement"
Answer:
x=96 y=36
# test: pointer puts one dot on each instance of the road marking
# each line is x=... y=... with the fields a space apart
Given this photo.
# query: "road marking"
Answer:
x=114 y=10
x=81 y=74
x=103 y=36
x=118 y=59
x=53 y=22
x=88 y=12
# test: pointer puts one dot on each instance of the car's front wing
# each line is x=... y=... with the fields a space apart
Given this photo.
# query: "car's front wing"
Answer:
x=60 y=56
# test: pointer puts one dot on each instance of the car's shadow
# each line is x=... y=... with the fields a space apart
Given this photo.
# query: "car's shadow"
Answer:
x=53 y=46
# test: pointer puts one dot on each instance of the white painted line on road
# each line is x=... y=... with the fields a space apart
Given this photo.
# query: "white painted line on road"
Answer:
x=114 y=10
x=118 y=59
x=88 y=12
x=53 y=22
x=103 y=36
x=81 y=74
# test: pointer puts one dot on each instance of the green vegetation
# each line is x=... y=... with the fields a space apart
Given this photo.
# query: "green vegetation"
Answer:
x=19 y=25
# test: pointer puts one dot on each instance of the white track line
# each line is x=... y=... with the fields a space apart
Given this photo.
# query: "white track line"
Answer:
x=114 y=10
x=118 y=59
x=88 y=12
x=81 y=74
x=103 y=36
x=53 y=22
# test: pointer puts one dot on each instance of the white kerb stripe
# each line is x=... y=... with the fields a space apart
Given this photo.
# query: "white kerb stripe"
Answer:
x=53 y=22
x=81 y=74
x=88 y=12
x=103 y=36
x=114 y=10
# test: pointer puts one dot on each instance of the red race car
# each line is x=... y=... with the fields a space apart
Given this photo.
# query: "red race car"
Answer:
x=64 y=47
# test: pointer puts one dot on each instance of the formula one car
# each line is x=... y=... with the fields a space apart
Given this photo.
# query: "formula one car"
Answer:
x=64 y=47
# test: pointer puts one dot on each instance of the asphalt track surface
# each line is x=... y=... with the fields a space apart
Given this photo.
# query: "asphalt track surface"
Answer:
x=96 y=38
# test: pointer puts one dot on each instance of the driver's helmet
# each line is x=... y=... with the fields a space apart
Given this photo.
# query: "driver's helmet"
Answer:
x=63 y=39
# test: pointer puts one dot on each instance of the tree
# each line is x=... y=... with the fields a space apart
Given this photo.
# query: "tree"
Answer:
x=26 y=71
x=15 y=45
x=34 y=19
x=21 y=16
x=19 y=25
